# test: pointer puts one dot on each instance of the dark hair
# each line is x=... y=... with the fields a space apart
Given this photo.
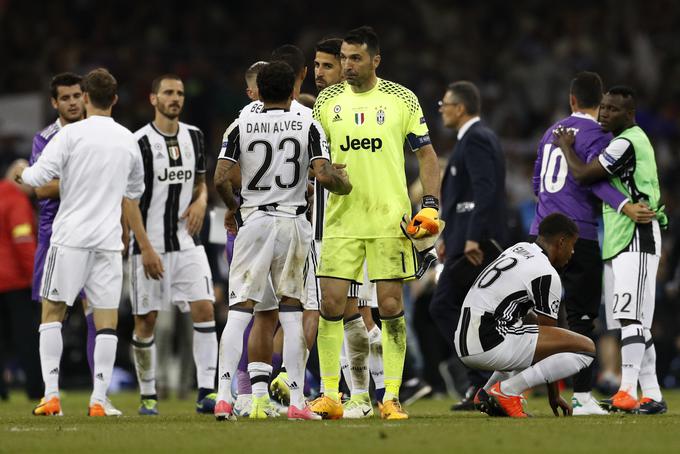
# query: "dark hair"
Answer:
x=275 y=82
x=156 y=84
x=586 y=87
x=292 y=55
x=468 y=95
x=557 y=224
x=101 y=87
x=364 y=35
x=329 y=46
x=64 y=80
x=255 y=68
x=627 y=93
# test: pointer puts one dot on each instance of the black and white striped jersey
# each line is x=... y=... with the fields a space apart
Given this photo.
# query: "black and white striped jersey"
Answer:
x=519 y=280
x=171 y=164
x=274 y=149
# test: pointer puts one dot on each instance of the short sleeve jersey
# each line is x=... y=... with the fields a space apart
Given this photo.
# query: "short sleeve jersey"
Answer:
x=274 y=149
x=520 y=279
x=367 y=132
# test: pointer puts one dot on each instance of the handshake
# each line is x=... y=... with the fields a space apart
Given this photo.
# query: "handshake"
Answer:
x=423 y=231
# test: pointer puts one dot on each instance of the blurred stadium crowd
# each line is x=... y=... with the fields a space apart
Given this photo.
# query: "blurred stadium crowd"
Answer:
x=521 y=55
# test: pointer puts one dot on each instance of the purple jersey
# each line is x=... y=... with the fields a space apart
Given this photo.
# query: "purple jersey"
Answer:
x=48 y=210
x=556 y=188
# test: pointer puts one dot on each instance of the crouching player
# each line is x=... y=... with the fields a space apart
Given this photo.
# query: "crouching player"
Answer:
x=274 y=148
x=492 y=336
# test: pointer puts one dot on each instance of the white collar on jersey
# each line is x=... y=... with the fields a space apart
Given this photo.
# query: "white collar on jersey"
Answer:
x=466 y=126
x=583 y=115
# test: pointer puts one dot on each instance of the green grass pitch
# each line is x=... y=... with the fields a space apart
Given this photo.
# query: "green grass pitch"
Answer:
x=432 y=428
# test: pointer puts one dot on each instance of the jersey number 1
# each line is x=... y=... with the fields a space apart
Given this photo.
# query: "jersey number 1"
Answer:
x=553 y=169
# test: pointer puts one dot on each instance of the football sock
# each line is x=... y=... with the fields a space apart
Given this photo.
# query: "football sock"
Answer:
x=344 y=364
x=51 y=347
x=259 y=378
x=242 y=372
x=548 y=370
x=648 y=381
x=394 y=353
x=205 y=353
x=231 y=346
x=277 y=361
x=329 y=344
x=632 y=351
x=294 y=353
x=356 y=341
x=375 y=361
x=244 y=387
x=497 y=376
x=91 y=335
x=144 y=354
x=104 y=357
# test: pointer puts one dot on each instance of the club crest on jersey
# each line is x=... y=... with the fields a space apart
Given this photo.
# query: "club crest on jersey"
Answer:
x=173 y=150
x=380 y=116
x=337 y=108
x=359 y=118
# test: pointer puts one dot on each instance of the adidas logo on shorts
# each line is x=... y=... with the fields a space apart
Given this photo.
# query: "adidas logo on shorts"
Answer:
x=232 y=295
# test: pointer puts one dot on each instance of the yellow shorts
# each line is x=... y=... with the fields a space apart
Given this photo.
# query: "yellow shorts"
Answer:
x=386 y=258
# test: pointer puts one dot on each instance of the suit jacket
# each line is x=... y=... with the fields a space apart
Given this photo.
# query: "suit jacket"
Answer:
x=473 y=191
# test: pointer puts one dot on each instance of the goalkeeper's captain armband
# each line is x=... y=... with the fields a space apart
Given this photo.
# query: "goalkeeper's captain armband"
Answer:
x=426 y=222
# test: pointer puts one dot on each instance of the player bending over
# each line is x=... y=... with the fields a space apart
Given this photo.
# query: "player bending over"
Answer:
x=491 y=334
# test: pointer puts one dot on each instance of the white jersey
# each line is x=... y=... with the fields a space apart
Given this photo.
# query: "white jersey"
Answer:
x=258 y=107
x=97 y=163
x=274 y=149
x=520 y=279
x=171 y=164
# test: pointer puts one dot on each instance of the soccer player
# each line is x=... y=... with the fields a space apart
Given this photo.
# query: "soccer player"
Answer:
x=251 y=76
x=172 y=212
x=361 y=350
x=98 y=166
x=558 y=191
x=279 y=145
x=631 y=247
x=492 y=336
x=66 y=97
x=367 y=121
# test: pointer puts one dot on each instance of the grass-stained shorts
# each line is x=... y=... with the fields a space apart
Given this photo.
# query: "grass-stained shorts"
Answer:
x=386 y=258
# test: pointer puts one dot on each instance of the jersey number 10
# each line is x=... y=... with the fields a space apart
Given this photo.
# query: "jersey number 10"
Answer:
x=553 y=169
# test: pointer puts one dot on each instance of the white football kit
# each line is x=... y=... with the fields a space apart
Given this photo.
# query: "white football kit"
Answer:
x=490 y=333
x=171 y=164
x=274 y=149
x=97 y=163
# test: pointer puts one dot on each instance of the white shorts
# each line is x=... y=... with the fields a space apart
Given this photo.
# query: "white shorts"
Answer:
x=68 y=270
x=269 y=250
x=186 y=278
x=312 y=295
x=630 y=288
x=516 y=352
x=367 y=294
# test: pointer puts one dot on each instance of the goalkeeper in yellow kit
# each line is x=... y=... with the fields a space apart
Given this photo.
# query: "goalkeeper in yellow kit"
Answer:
x=367 y=121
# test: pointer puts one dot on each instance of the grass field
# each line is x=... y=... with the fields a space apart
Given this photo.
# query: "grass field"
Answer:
x=432 y=428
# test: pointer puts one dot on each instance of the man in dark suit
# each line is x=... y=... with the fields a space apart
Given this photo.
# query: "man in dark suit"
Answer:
x=473 y=206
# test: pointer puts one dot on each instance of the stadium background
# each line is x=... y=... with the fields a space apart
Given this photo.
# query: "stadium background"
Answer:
x=521 y=54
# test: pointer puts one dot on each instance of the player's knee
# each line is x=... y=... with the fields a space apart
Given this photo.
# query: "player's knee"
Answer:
x=202 y=311
x=588 y=345
x=145 y=324
x=53 y=311
x=390 y=307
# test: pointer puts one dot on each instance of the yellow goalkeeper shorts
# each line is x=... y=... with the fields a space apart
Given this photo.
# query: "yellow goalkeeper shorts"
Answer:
x=386 y=258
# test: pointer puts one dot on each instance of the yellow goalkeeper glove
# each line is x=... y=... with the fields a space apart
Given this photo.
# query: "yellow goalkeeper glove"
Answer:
x=426 y=222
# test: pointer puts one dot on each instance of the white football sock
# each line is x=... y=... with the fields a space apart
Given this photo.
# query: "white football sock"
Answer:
x=51 y=347
x=375 y=360
x=356 y=341
x=294 y=353
x=344 y=365
x=259 y=378
x=231 y=347
x=648 y=381
x=144 y=353
x=105 y=346
x=583 y=397
x=632 y=351
x=205 y=353
x=548 y=370
x=497 y=376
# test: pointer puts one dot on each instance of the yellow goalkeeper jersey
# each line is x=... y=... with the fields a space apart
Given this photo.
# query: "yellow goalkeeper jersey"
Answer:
x=367 y=132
